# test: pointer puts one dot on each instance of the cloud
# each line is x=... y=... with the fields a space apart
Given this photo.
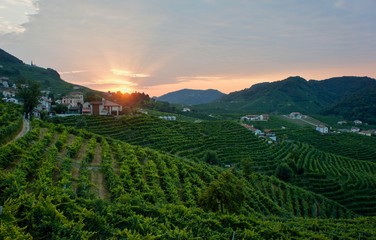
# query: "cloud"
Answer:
x=160 y=43
x=14 y=14
x=126 y=73
x=198 y=78
x=72 y=72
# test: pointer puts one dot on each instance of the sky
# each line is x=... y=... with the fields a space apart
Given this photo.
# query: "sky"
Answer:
x=158 y=46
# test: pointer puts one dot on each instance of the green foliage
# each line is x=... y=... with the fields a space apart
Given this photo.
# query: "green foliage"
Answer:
x=29 y=94
x=10 y=121
x=225 y=194
x=284 y=172
x=211 y=158
x=109 y=189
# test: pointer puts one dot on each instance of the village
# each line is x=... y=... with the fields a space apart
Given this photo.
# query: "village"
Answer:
x=297 y=116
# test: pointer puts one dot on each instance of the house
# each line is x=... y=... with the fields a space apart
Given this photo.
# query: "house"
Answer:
x=358 y=122
x=367 y=133
x=341 y=122
x=45 y=104
x=73 y=99
x=11 y=100
x=5 y=84
x=271 y=136
x=295 y=115
x=168 y=118
x=262 y=117
x=186 y=110
x=104 y=107
x=86 y=108
x=322 y=129
x=355 y=129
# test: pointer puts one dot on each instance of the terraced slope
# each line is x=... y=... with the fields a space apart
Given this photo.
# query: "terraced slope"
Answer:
x=10 y=121
x=344 y=144
x=59 y=182
x=349 y=182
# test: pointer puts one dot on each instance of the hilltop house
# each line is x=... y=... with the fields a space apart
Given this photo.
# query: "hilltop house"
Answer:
x=322 y=129
x=295 y=115
x=341 y=122
x=358 y=122
x=104 y=107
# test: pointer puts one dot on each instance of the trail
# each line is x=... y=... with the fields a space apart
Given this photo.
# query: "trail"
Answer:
x=25 y=129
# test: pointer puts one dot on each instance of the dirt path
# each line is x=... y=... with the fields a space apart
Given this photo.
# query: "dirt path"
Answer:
x=24 y=130
x=97 y=177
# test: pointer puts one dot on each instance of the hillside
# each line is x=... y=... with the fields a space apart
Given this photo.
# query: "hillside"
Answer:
x=59 y=182
x=191 y=97
x=348 y=181
x=292 y=94
x=49 y=79
x=360 y=105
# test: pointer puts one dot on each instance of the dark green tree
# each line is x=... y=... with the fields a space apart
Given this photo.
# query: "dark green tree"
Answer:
x=30 y=94
x=211 y=157
x=284 y=172
x=226 y=193
x=247 y=167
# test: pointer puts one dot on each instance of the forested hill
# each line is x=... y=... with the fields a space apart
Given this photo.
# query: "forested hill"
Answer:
x=191 y=97
x=294 y=94
x=17 y=71
x=360 y=105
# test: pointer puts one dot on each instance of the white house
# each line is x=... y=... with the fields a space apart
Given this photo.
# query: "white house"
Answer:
x=168 y=118
x=44 y=104
x=367 y=133
x=358 y=122
x=5 y=84
x=12 y=100
x=341 y=122
x=355 y=129
x=261 y=117
x=186 y=110
x=295 y=115
x=73 y=99
x=322 y=129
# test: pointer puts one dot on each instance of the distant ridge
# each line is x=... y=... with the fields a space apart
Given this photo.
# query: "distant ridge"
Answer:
x=298 y=94
x=191 y=97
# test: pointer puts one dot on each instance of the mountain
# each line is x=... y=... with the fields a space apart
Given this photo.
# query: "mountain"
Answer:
x=293 y=94
x=15 y=70
x=191 y=97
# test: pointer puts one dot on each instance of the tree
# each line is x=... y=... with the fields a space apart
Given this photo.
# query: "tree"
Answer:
x=29 y=94
x=224 y=193
x=247 y=166
x=284 y=172
x=211 y=157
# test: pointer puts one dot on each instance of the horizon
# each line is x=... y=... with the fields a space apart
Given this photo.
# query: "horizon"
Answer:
x=161 y=47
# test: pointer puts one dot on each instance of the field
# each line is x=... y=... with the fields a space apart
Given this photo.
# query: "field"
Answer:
x=62 y=182
x=354 y=179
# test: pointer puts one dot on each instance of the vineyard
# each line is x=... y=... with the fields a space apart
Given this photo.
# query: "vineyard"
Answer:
x=10 y=121
x=348 y=181
x=63 y=182
x=344 y=144
x=60 y=182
